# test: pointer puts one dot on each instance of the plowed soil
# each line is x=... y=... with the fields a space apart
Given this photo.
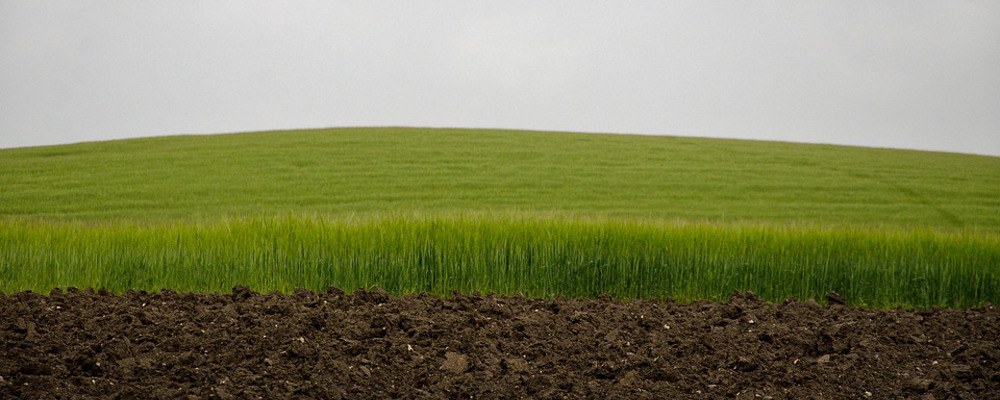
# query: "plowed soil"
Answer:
x=86 y=344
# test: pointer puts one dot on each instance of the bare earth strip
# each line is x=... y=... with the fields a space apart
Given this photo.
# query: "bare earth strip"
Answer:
x=86 y=344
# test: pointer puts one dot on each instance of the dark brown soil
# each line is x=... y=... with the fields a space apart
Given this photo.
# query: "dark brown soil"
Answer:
x=83 y=344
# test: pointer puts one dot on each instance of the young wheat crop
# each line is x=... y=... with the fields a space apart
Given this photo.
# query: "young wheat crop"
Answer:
x=532 y=255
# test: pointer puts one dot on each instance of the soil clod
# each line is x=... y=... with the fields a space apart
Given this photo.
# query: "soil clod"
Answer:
x=455 y=362
x=369 y=344
x=835 y=298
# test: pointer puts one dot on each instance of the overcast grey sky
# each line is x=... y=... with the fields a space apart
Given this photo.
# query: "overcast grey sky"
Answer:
x=904 y=74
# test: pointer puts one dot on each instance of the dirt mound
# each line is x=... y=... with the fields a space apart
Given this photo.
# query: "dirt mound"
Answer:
x=86 y=344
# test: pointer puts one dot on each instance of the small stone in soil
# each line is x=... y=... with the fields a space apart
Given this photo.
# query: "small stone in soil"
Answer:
x=455 y=362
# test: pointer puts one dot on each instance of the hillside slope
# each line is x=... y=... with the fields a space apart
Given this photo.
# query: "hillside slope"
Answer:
x=377 y=170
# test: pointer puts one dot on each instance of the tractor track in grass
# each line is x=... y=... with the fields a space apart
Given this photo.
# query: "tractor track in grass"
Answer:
x=87 y=344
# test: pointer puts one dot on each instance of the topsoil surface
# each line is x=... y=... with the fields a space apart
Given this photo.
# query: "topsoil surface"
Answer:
x=86 y=344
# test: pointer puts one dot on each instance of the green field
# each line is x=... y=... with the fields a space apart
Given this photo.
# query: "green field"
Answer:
x=541 y=213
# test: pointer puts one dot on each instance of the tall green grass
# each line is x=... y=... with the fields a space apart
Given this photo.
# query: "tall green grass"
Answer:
x=435 y=210
x=532 y=255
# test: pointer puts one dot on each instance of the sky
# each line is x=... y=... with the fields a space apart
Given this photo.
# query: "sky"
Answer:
x=900 y=74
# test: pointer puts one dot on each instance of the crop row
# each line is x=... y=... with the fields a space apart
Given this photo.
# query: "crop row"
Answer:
x=531 y=255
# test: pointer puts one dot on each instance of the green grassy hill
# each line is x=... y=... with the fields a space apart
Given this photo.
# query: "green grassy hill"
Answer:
x=539 y=213
x=358 y=171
